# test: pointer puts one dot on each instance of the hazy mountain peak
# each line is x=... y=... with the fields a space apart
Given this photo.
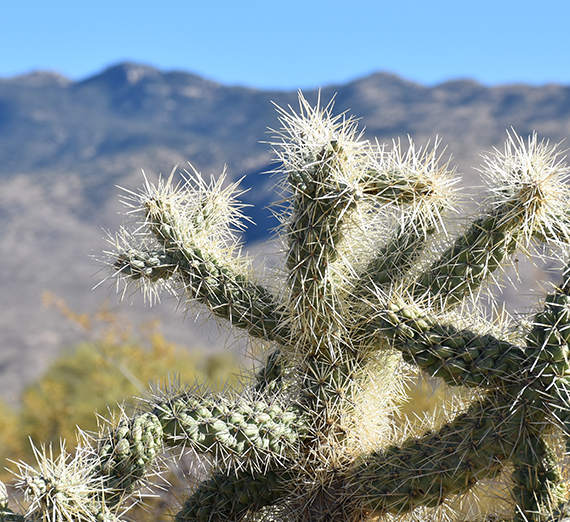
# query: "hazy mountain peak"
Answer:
x=125 y=74
x=39 y=78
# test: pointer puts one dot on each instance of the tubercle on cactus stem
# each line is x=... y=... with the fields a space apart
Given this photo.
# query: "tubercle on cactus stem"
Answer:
x=458 y=356
x=251 y=427
x=373 y=280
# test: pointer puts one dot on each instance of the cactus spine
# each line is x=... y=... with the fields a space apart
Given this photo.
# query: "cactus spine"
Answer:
x=374 y=286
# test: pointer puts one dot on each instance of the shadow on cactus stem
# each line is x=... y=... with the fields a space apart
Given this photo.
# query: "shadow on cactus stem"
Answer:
x=381 y=281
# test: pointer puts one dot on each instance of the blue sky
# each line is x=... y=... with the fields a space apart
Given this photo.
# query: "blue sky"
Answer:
x=294 y=43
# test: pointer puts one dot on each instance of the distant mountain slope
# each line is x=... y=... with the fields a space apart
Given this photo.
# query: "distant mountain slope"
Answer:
x=64 y=146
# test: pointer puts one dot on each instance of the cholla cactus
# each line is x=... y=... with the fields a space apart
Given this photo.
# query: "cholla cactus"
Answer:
x=375 y=286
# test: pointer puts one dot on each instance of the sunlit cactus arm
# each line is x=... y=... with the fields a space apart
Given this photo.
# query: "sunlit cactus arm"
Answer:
x=422 y=190
x=322 y=161
x=98 y=480
x=558 y=403
x=550 y=332
x=539 y=485
x=231 y=496
x=250 y=431
x=145 y=263
x=426 y=471
x=529 y=195
x=93 y=484
x=229 y=294
x=66 y=488
x=529 y=376
x=396 y=258
x=468 y=263
x=458 y=355
x=411 y=178
x=189 y=247
x=555 y=230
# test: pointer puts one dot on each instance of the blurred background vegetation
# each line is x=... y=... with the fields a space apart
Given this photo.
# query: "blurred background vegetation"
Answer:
x=115 y=362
